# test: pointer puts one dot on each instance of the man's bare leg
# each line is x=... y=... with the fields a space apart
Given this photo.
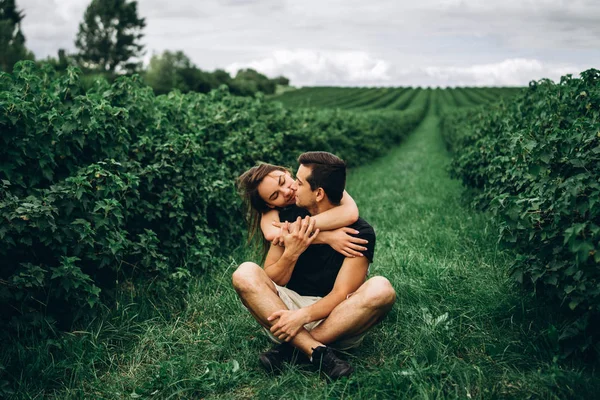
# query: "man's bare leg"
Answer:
x=260 y=296
x=355 y=315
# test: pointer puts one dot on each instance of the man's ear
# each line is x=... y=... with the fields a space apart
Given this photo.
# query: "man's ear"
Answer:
x=320 y=194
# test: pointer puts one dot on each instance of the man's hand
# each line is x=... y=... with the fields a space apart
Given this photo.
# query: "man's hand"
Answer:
x=342 y=242
x=298 y=236
x=289 y=323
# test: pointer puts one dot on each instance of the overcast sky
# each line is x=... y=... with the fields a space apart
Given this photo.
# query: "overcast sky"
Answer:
x=356 y=42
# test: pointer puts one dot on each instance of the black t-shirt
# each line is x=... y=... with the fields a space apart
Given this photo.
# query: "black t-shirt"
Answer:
x=317 y=268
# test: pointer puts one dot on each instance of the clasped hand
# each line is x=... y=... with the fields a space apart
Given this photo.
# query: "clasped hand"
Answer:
x=299 y=235
x=289 y=323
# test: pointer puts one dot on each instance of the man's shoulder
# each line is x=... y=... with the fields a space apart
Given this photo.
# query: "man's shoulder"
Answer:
x=366 y=231
x=363 y=227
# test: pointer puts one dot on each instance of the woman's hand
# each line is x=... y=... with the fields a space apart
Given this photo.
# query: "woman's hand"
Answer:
x=342 y=242
x=278 y=241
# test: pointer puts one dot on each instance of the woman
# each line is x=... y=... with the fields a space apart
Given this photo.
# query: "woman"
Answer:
x=267 y=188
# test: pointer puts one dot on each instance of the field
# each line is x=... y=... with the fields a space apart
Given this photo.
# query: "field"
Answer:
x=461 y=327
x=395 y=99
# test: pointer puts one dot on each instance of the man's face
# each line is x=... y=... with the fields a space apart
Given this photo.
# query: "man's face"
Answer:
x=305 y=197
x=277 y=189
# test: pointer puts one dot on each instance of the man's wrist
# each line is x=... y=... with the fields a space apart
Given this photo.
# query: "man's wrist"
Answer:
x=305 y=312
x=290 y=256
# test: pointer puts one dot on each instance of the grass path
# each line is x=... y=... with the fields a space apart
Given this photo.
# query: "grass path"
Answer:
x=458 y=329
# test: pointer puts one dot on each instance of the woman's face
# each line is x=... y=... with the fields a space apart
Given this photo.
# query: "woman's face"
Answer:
x=277 y=189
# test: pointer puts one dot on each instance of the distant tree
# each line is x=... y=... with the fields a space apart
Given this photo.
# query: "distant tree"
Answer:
x=109 y=36
x=243 y=87
x=162 y=73
x=250 y=81
x=281 y=80
x=63 y=61
x=12 y=40
x=198 y=80
x=222 y=77
x=174 y=70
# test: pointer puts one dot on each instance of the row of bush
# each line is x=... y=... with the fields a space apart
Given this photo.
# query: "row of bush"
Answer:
x=115 y=187
x=534 y=162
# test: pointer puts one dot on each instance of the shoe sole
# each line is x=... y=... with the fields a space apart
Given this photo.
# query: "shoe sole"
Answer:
x=268 y=365
x=344 y=373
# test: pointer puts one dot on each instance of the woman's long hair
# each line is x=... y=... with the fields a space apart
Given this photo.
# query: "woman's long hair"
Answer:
x=254 y=205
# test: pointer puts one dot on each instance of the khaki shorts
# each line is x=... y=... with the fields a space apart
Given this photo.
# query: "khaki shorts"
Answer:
x=294 y=301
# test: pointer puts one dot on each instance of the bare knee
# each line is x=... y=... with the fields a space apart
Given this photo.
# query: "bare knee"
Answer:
x=380 y=293
x=247 y=277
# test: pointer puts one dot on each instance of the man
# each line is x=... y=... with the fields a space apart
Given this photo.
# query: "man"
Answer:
x=310 y=297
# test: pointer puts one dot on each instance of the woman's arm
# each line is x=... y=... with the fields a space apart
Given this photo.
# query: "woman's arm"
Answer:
x=338 y=217
x=343 y=215
x=332 y=224
x=342 y=241
x=269 y=230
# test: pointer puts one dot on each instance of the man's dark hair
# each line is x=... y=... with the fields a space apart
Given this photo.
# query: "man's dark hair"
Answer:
x=327 y=171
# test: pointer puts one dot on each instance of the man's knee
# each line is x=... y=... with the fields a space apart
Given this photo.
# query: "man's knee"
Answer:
x=379 y=292
x=247 y=277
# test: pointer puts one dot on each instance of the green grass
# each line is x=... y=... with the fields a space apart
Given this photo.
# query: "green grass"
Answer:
x=459 y=328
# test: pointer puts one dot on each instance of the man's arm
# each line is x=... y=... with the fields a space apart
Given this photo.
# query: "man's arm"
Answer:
x=337 y=217
x=279 y=265
x=349 y=278
x=280 y=262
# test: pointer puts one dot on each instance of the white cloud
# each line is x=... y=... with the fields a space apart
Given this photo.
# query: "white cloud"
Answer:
x=355 y=42
x=521 y=24
x=313 y=67
x=511 y=72
x=50 y=25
